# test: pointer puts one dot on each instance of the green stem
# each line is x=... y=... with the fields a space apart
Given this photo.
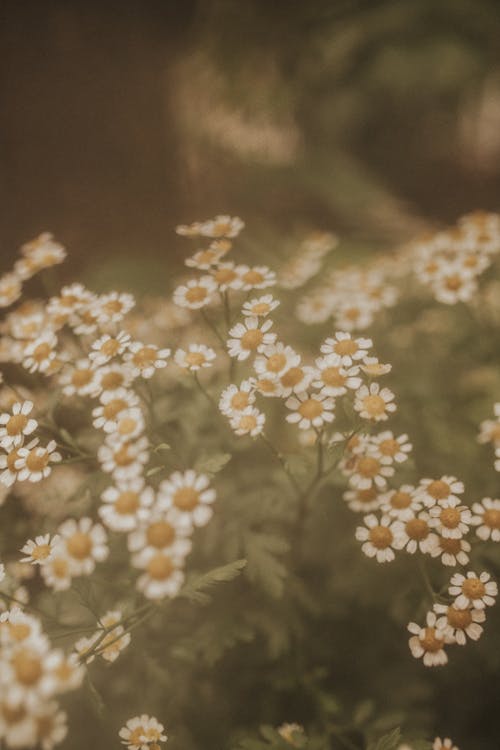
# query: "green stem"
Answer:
x=282 y=462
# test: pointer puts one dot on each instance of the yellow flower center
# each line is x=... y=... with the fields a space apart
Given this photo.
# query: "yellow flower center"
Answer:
x=430 y=642
x=491 y=518
x=196 y=294
x=145 y=356
x=332 y=376
x=346 y=347
x=368 y=466
x=160 y=534
x=160 y=567
x=16 y=424
x=459 y=618
x=417 y=529
x=112 y=380
x=400 y=500
x=310 y=408
x=41 y=352
x=381 y=537
x=110 y=347
x=80 y=378
x=127 y=502
x=114 y=407
x=439 y=489
x=60 y=568
x=28 y=668
x=473 y=588
x=450 y=546
x=450 y=517
x=186 y=498
x=253 y=277
x=41 y=551
x=225 y=275
x=195 y=359
x=13 y=714
x=123 y=457
x=261 y=308
x=127 y=425
x=36 y=461
x=252 y=339
x=292 y=377
x=374 y=405
x=19 y=631
x=276 y=362
x=79 y=545
x=389 y=447
x=12 y=457
x=240 y=400
x=248 y=422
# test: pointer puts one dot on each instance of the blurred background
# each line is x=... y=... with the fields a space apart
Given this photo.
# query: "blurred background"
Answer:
x=371 y=118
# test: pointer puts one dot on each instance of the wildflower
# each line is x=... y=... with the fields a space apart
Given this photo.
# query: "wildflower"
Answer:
x=334 y=380
x=453 y=284
x=275 y=359
x=221 y=226
x=415 y=533
x=378 y=537
x=79 y=379
x=428 y=642
x=450 y=519
x=40 y=353
x=373 y=403
x=310 y=410
x=56 y=571
x=39 y=550
x=64 y=671
x=361 y=501
x=452 y=550
x=226 y=276
x=196 y=357
x=445 y=744
x=10 y=289
x=402 y=503
x=373 y=368
x=490 y=428
x=125 y=505
x=458 y=624
x=163 y=575
x=295 y=379
x=34 y=461
x=237 y=398
x=291 y=733
x=432 y=491
x=10 y=464
x=196 y=293
x=142 y=732
x=107 y=347
x=472 y=590
x=16 y=425
x=487 y=518
x=190 y=494
x=124 y=460
x=366 y=471
x=346 y=349
x=112 y=307
x=390 y=449
x=162 y=530
x=259 y=307
x=116 y=639
x=258 y=277
x=17 y=626
x=43 y=251
x=249 y=337
x=85 y=543
x=249 y=421
x=205 y=259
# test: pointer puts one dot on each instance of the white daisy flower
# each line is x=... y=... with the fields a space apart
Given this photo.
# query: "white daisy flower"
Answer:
x=373 y=368
x=295 y=379
x=196 y=293
x=489 y=431
x=427 y=643
x=205 y=259
x=402 y=503
x=56 y=571
x=259 y=307
x=113 y=405
x=141 y=732
x=162 y=531
x=365 y=471
x=23 y=670
x=415 y=534
x=445 y=744
x=14 y=427
x=10 y=465
x=226 y=276
x=249 y=337
x=378 y=537
x=275 y=360
x=390 y=449
x=249 y=421
x=64 y=671
x=112 y=378
x=459 y=624
x=452 y=550
x=454 y=284
x=236 y=398
x=107 y=347
x=445 y=489
x=221 y=226
x=163 y=574
x=310 y=410
x=39 y=550
x=34 y=461
x=362 y=501
x=79 y=379
x=196 y=357
x=40 y=353
x=123 y=460
x=472 y=590
x=257 y=277
x=112 y=307
x=116 y=639
x=348 y=350
x=333 y=379
x=190 y=494
x=85 y=544
x=450 y=519
x=125 y=505
x=188 y=230
x=10 y=289
x=17 y=626
x=130 y=425
x=145 y=359
x=374 y=403
x=487 y=518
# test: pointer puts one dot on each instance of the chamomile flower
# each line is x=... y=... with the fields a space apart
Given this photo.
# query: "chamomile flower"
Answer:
x=490 y=428
x=390 y=449
x=291 y=733
x=415 y=533
x=162 y=530
x=141 y=732
x=249 y=337
x=347 y=350
x=427 y=643
x=56 y=571
x=10 y=289
x=373 y=368
x=190 y=494
x=235 y=399
x=64 y=671
x=79 y=379
x=365 y=471
x=374 y=403
x=14 y=427
x=40 y=353
x=401 y=503
x=450 y=519
x=275 y=359
x=116 y=639
x=85 y=543
x=10 y=465
x=249 y=421
x=145 y=359
x=226 y=276
x=472 y=590
x=124 y=460
x=259 y=307
x=17 y=626
x=459 y=624
x=162 y=575
x=196 y=293
x=126 y=504
x=108 y=347
x=196 y=357
x=378 y=537
x=112 y=307
x=445 y=744
x=34 y=461
x=310 y=410
x=362 y=501
x=113 y=405
x=487 y=519
x=296 y=379
x=257 y=277
x=452 y=550
x=205 y=259
x=445 y=489
x=112 y=378
x=39 y=550
x=333 y=379
x=221 y=226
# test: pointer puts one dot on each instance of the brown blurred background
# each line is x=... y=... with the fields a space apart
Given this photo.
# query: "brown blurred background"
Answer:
x=122 y=119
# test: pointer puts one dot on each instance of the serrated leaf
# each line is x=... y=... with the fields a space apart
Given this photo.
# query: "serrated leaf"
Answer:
x=196 y=585
x=389 y=741
x=213 y=464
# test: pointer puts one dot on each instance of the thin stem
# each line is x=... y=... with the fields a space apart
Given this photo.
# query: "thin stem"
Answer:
x=213 y=327
x=425 y=577
x=282 y=461
x=204 y=391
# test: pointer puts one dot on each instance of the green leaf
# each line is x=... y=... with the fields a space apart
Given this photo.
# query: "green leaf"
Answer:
x=263 y=566
x=195 y=586
x=389 y=741
x=154 y=470
x=212 y=464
